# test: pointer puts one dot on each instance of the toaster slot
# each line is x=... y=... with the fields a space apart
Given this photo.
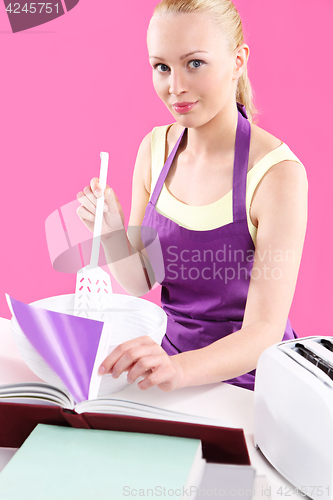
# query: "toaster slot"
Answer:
x=316 y=360
x=327 y=344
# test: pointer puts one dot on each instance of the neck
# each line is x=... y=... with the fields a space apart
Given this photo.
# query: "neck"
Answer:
x=216 y=136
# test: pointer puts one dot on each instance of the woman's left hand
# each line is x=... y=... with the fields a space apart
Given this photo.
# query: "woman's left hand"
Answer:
x=142 y=357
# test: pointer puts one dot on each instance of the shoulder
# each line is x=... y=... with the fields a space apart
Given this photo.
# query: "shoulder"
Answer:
x=141 y=174
x=283 y=184
x=263 y=143
x=172 y=133
x=161 y=131
x=286 y=171
x=154 y=140
x=145 y=145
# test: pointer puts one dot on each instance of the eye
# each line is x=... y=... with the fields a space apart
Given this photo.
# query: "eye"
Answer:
x=161 y=68
x=196 y=63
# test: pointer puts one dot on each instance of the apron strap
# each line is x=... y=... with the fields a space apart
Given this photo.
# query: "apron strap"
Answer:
x=164 y=171
x=242 y=148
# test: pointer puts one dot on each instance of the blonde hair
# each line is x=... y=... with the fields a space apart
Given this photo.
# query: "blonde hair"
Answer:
x=227 y=17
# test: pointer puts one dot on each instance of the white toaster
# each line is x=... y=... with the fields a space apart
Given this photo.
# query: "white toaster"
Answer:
x=293 y=413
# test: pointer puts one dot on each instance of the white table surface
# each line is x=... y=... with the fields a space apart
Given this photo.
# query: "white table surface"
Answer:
x=233 y=405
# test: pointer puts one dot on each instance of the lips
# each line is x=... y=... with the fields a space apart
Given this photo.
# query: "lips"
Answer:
x=183 y=107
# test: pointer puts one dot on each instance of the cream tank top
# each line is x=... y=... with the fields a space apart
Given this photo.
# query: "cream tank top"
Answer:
x=219 y=213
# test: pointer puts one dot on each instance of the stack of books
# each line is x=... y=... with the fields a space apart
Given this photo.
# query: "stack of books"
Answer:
x=82 y=447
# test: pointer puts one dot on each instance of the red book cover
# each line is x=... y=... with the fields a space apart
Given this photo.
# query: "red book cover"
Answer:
x=219 y=444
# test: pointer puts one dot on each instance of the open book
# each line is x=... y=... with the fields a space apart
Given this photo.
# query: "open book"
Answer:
x=45 y=394
x=74 y=347
x=63 y=349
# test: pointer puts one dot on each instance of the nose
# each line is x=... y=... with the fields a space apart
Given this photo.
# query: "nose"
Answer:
x=177 y=84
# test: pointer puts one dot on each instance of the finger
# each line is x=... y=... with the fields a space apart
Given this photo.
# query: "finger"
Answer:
x=90 y=195
x=146 y=383
x=162 y=376
x=145 y=365
x=144 y=376
x=111 y=200
x=90 y=200
x=107 y=192
x=96 y=187
x=85 y=214
x=87 y=200
x=138 y=356
x=115 y=355
x=153 y=377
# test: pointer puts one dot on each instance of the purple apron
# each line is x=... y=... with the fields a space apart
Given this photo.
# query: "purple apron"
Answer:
x=207 y=273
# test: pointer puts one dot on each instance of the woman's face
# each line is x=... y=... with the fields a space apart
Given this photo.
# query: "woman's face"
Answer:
x=194 y=73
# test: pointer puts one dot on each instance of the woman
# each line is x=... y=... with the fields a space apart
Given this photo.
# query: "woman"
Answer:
x=229 y=207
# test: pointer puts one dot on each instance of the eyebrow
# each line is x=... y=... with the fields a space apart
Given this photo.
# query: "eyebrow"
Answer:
x=181 y=57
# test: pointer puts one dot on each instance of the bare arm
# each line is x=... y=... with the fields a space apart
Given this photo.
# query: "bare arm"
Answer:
x=280 y=206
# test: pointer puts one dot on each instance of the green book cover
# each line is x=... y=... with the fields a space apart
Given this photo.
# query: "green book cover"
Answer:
x=86 y=464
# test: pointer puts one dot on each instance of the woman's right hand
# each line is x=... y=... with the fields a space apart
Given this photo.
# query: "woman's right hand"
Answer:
x=113 y=219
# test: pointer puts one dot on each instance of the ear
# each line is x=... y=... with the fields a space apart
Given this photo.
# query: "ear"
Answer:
x=242 y=54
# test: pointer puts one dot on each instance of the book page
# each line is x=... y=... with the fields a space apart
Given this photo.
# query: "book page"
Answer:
x=118 y=406
x=105 y=347
x=67 y=343
x=35 y=393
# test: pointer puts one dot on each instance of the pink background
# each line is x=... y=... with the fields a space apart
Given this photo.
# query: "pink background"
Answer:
x=81 y=84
